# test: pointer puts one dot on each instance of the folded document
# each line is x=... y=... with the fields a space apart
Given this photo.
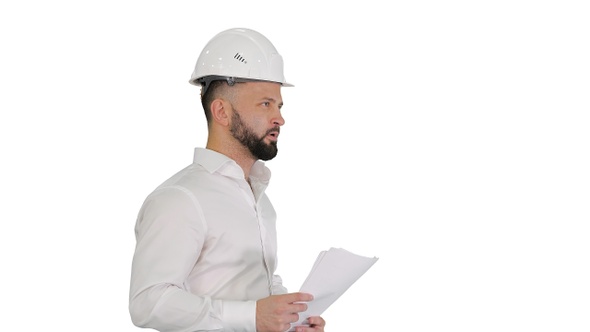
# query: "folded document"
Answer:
x=333 y=272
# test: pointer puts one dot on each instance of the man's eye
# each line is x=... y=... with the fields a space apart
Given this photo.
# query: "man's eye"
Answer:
x=266 y=103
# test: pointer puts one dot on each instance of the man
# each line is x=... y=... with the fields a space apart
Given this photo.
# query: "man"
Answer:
x=205 y=256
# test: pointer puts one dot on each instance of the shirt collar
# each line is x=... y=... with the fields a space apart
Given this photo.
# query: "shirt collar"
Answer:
x=214 y=161
x=259 y=173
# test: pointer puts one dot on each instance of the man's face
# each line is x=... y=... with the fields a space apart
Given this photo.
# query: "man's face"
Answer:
x=256 y=118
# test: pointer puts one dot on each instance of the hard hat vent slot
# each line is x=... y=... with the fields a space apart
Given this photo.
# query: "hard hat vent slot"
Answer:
x=239 y=57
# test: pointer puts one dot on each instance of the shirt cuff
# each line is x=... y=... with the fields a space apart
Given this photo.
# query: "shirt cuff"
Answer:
x=239 y=315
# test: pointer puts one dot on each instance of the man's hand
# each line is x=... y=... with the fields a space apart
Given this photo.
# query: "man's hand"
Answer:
x=276 y=313
x=316 y=324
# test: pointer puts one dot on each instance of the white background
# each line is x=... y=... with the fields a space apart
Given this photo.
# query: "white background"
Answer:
x=448 y=138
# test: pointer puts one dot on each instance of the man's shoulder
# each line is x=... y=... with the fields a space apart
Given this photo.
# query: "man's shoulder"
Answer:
x=188 y=177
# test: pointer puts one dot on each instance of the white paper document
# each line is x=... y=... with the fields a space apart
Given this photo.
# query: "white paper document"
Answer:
x=332 y=274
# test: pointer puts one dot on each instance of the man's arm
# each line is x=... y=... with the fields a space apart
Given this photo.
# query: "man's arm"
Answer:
x=170 y=232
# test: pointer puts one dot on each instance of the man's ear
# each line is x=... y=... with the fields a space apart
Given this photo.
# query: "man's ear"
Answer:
x=220 y=112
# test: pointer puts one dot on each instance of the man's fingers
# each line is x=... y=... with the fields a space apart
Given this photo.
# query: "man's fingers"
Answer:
x=316 y=321
x=298 y=307
x=300 y=297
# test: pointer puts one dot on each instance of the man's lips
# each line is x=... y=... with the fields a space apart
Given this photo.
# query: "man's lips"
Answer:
x=273 y=134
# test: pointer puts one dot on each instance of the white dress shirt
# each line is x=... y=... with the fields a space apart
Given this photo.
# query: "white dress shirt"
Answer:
x=206 y=249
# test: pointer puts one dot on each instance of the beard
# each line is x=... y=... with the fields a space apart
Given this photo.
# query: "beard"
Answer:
x=246 y=136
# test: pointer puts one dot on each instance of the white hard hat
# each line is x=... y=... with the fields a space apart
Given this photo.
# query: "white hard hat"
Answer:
x=239 y=55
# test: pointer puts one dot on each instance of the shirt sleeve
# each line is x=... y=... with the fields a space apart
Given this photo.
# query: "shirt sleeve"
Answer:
x=170 y=232
x=277 y=285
